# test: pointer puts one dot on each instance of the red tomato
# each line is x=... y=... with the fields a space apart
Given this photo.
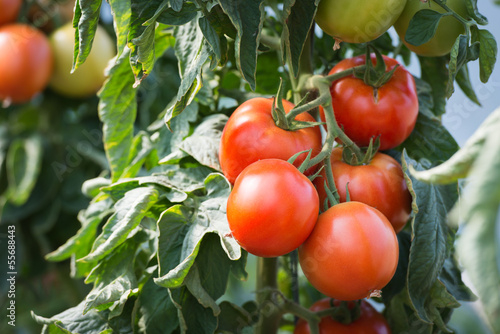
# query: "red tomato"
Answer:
x=272 y=208
x=364 y=112
x=369 y=322
x=9 y=10
x=351 y=253
x=25 y=62
x=251 y=134
x=380 y=184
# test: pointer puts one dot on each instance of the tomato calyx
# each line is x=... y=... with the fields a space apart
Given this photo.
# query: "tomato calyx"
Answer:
x=352 y=158
x=375 y=75
x=287 y=121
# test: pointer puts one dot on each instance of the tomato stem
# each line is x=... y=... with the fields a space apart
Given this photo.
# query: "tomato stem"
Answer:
x=267 y=281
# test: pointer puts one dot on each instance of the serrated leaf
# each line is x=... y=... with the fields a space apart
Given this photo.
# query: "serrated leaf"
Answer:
x=436 y=147
x=170 y=16
x=155 y=311
x=451 y=277
x=248 y=18
x=425 y=100
x=83 y=239
x=435 y=73
x=121 y=11
x=473 y=12
x=422 y=26
x=85 y=21
x=458 y=57
x=129 y=212
x=117 y=112
x=188 y=228
x=487 y=52
x=463 y=81
x=431 y=236
x=298 y=19
x=23 y=165
x=203 y=144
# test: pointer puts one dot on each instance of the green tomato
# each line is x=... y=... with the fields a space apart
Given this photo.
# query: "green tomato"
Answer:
x=448 y=30
x=89 y=76
x=357 y=21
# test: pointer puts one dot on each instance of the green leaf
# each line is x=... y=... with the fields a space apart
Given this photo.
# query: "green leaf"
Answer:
x=193 y=317
x=487 y=52
x=203 y=144
x=248 y=18
x=422 y=26
x=458 y=57
x=473 y=12
x=430 y=140
x=215 y=25
x=139 y=152
x=171 y=17
x=83 y=239
x=451 y=277
x=155 y=311
x=435 y=73
x=478 y=244
x=23 y=165
x=425 y=100
x=117 y=112
x=463 y=81
x=182 y=230
x=298 y=19
x=233 y=316
x=192 y=52
x=121 y=11
x=398 y=282
x=459 y=165
x=431 y=237
x=85 y=22
x=129 y=212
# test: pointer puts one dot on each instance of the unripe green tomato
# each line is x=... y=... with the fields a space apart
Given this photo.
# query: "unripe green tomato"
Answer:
x=89 y=76
x=357 y=21
x=448 y=30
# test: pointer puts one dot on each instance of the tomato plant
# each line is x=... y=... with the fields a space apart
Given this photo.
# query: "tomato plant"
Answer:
x=369 y=321
x=351 y=253
x=365 y=112
x=25 y=62
x=251 y=134
x=89 y=76
x=346 y=22
x=379 y=183
x=10 y=10
x=447 y=31
x=272 y=208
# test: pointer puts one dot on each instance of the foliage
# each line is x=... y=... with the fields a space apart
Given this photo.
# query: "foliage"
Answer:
x=152 y=241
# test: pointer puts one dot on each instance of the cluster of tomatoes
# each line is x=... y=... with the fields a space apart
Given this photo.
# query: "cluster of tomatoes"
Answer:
x=30 y=60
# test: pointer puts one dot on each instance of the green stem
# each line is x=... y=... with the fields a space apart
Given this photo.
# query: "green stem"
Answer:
x=271 y=42
x=267 y=282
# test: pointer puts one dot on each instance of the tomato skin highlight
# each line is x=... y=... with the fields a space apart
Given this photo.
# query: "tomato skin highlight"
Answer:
x=26 y=62
x=390 y=112
x=89 y=76
x=272 y=208
x=369 y=322
x=357 y=21
x=380 y=184
x=352 y=252
x=250 y=134
x=447 y=32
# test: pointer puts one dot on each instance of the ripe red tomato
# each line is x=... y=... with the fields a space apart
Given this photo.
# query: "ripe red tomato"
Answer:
x=89 y=76
x=447 y=32
x=251 y=134
x=351 y=253
x=9 y=10
x=364 y=112
x=380 y=184
x=25 y=62
x=369 y=322
x=272 y=208
x=357 y=21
